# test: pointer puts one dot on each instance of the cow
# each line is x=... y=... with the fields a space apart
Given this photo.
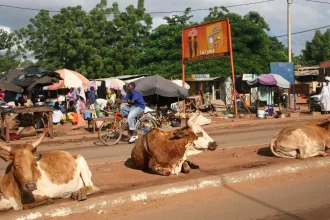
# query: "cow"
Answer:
x=33 y=179
x=165 y=152
x=302 y=141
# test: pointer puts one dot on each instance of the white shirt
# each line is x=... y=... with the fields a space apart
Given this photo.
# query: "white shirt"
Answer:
x=57 y=114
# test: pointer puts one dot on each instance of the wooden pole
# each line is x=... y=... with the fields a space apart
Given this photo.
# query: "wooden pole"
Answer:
x=232 y=67
x=183 y=72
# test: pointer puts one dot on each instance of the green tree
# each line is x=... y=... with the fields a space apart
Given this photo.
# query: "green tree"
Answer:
x=9 y=57
x=102 y=43
x=253 y=49
x=317 y=50
x=161 y=53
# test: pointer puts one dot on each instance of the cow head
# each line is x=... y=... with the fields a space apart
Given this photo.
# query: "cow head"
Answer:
x=197 y=137
x=22 y=162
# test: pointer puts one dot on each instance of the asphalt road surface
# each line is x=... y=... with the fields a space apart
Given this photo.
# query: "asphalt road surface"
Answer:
x=302 y=196
x=95 y=152
x=298 y=196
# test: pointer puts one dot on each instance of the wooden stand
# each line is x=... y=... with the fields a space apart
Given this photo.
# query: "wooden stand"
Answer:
x=8 y=114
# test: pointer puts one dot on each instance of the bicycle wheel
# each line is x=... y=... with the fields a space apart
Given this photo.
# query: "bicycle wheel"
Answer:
x=110 y=132
x=145 y=124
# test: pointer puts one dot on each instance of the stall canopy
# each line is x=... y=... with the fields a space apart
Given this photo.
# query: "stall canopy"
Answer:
x=70 y=79
x=179 y=82
x=31 y=77
x=269 y=80
x=163 y=91
x=10 y=87
x=157 y=85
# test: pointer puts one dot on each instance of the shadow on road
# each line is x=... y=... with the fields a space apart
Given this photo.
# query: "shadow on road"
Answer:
x=265 y=204
x=265 y=152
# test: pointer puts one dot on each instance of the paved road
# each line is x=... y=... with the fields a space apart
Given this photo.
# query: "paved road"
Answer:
x=299 y=196
x=96 y=153
x=294 y=197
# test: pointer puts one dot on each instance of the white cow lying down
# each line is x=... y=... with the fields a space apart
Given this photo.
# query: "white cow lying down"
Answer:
x=302 y=141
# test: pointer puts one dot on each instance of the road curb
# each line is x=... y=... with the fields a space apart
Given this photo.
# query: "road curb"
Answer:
x=97 y=203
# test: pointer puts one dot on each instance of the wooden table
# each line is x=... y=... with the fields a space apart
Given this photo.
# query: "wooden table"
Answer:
x=6 y=117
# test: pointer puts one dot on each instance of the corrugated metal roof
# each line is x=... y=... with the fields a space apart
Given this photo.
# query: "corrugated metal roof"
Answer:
x=325 y=64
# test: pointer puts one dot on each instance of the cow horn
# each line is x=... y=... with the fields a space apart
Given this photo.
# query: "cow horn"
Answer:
x=6 y=148
x=37 y=142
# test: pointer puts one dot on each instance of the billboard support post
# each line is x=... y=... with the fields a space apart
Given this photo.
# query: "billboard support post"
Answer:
x=232 y=67
x=208 y=41
x=183 y=74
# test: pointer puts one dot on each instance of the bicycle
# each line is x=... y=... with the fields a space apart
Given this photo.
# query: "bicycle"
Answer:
x=111 y=131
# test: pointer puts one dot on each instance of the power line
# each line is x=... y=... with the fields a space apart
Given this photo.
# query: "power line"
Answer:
x=300 y=32
x=204 y=9
x=160 y=12
x=318 y=2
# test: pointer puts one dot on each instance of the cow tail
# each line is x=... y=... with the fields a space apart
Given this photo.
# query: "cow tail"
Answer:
x=272 y=145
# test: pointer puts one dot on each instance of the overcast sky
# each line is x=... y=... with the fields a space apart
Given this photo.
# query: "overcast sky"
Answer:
x=305 y=14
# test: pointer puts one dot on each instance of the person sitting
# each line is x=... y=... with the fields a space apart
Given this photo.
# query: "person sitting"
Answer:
x=112 y=95
x=99 y=105
x=71 y=107
x=57 y=114
x=135 y=106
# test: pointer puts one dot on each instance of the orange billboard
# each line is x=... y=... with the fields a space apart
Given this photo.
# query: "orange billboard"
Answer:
x=206 y=41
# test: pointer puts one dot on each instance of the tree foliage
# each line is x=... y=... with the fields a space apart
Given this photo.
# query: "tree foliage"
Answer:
x=101 y=43
x=253 y=49
x=9 y=54
x=108 y=42
x=317 y=50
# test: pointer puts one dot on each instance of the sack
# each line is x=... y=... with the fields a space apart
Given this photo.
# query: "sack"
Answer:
x=28 y=132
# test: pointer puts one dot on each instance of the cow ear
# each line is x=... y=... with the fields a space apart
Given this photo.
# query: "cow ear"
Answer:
x=179 y=134
x=38 y=157
x=6 y=157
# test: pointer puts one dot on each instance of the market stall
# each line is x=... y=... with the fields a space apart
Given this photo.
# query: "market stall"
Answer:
x=8 y=114
x=266 y=82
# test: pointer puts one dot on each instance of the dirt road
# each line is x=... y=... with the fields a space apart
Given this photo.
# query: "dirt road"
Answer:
x=95 y=152
x=299 y=196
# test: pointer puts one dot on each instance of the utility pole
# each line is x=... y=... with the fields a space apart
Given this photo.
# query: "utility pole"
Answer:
x=289 y=52
x=289 y=29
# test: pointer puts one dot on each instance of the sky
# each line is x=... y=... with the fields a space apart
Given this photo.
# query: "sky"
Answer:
x=304 y=14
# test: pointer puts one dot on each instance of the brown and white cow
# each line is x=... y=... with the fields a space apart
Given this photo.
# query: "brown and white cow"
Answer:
x=302 y=141
x=34 y=179
x=165 y=152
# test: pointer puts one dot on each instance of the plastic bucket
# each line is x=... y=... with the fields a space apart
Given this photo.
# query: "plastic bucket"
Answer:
x=261 y=114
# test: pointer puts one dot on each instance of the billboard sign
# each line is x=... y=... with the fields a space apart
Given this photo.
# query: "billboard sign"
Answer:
x=284 y=69
x=206 y=41
x=199 y=77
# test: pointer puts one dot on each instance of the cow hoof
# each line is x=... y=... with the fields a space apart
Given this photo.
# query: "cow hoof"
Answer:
x=79 y=195
x=185 y=168
x=166 y=173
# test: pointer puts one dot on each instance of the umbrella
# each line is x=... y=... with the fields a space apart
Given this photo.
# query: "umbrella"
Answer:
x=157 y=85
x=269 y=80
x=160 y=91
x=179 y=82
x=116 y=83
x=70 y=79
x=10 y=87
x=31 y=77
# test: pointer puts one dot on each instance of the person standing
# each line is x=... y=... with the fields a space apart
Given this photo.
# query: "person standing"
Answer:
x=135 y=106
x=91 y=96
x=102 y=91
x=325 y=96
